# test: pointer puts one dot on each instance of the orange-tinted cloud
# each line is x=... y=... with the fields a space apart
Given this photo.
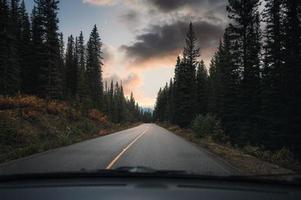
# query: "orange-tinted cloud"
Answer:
x=101 y=2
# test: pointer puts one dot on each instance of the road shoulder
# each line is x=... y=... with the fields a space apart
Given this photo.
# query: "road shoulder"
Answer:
x=240 y=162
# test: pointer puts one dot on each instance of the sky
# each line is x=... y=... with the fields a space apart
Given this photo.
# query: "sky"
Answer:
x=142 y=38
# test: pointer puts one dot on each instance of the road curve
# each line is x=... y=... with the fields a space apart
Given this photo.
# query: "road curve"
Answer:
x=146 y=145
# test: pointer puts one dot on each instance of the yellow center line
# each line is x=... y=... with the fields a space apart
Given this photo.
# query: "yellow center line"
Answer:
x=125 y=149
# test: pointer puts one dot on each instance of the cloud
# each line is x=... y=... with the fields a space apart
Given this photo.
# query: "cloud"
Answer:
x=131 y=15
x=131 y=18
x=160 y=41
x=174 y=5
x=101 y=2
x=171 y=5
x=131 y=83
x=108 y=52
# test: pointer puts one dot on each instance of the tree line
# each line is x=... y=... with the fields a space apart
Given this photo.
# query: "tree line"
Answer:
x=253 y=85
x=34 y=61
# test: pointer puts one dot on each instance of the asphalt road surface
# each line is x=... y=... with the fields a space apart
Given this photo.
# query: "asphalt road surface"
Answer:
x=146 y=145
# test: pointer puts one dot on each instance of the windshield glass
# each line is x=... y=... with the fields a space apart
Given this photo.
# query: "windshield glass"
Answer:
x=202 y=87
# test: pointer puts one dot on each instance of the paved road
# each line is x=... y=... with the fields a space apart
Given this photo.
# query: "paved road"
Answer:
x=145 y=145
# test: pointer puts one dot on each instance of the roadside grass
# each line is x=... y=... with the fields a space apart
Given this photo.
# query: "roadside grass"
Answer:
x=248 y=160
x=30 y=125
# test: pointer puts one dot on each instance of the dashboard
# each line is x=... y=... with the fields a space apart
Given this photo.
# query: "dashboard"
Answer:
x=141 y=188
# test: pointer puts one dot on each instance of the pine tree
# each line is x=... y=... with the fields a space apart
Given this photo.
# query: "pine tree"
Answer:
x=82 y=76
x=111 y=100
x=228 y=81
x=15 y=15
x=213 y=106
x=171 y=102
x=54 y=83
x=25 y=51
x=185 y=80
x=62 y=66
x=245 y=25
x=291 y=89
x=272 y=81
x=191 y=51
x=71 y=68
x=9 y=60
x=119 y=103
x=94 y=67
x=131 y=108
x=47 y=49
x=38 y=57
x=201 y=88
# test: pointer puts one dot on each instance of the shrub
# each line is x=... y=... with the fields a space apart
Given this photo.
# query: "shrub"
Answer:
x=30 y=114
x=97 y=116
x=282 y=156
x=21 y=102
x=8 y=133
x=209 y=126
x=15 y=136
x=55 y=108
x=205 y=125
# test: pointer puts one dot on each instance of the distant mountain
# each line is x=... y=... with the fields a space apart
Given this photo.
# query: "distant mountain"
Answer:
x=147 y=109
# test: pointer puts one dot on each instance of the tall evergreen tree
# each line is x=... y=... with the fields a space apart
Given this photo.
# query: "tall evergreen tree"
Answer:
x=47 y=48
x=94 y=67
x=185 y=80
x=160 y=106
x=245 y=25
x=54 y=82
x=213 y=106
x=119 y=103
x=62 y=67
x=171 y=102
x=272 y=81
x=39 y=52
x=82 y=75
x=229 y=85
x=15 y=15
x=25 y=50
x=71 y=68
x=291 y=90
x=9 y=60
x=201 y=88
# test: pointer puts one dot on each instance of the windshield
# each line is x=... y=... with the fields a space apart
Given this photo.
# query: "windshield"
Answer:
x=202 y=87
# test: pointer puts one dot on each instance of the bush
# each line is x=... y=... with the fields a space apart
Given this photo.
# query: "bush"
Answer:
x=21 y=102
x=8 y=133
x=98 y=117
x=197 y=126
x=14 y=136
x=56 y=108
x=30 y=115
x=282 y=156
x=209 y=126
x=205 y=125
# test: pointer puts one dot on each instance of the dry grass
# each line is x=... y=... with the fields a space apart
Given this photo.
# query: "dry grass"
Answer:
x=30 y=125
x=243 y=162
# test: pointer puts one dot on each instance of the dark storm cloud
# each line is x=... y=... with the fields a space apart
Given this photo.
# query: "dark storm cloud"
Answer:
x=171 y=5
x=162 y=40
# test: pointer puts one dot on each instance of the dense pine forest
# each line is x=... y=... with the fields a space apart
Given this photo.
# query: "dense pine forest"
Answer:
x=253 y=84
x=34 y=61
